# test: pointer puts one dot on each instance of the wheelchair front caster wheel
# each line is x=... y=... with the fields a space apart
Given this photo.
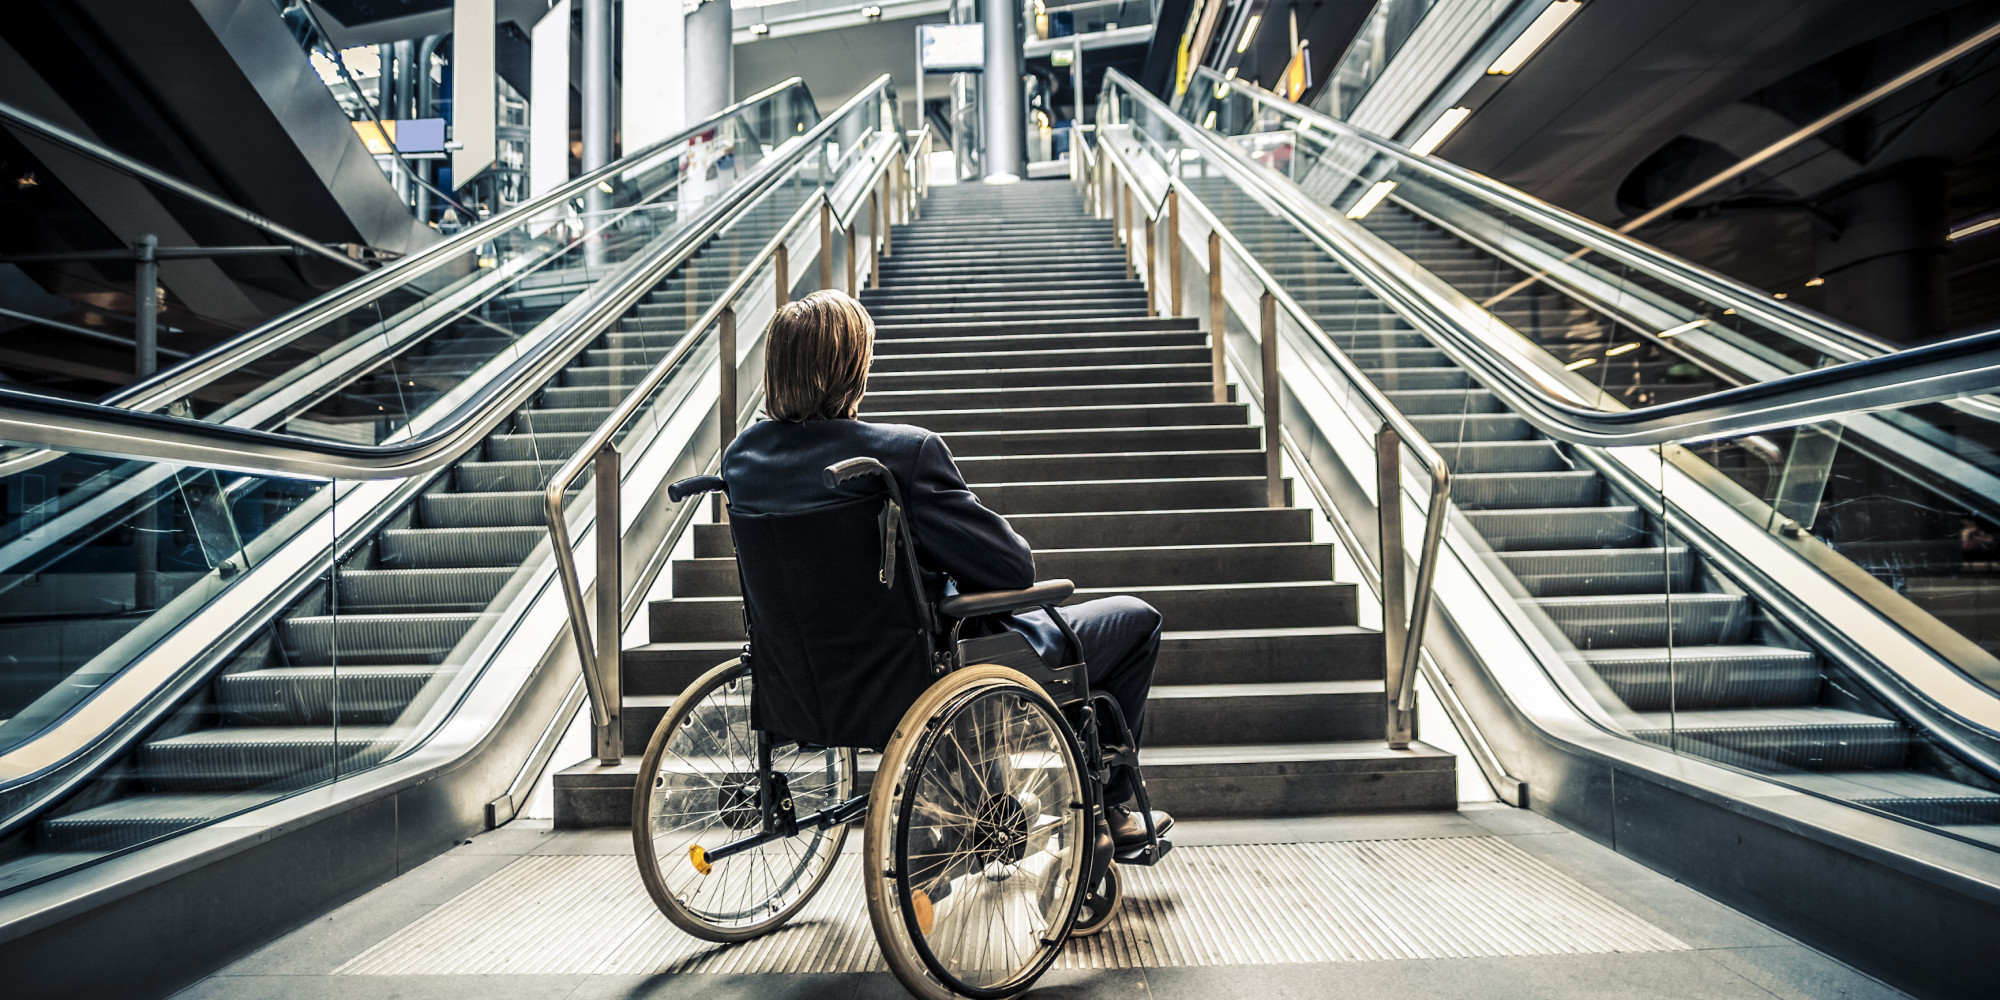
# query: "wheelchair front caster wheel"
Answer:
x=1100 y=904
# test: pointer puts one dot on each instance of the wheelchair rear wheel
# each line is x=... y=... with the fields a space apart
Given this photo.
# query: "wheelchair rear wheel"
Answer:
x=698 y=787
x=977 y=838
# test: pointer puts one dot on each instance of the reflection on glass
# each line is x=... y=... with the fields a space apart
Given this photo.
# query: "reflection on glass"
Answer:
x=98 y=557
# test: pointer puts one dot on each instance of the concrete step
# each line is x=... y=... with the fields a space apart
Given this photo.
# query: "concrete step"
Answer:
x=1196 y=607
x=1194 y=782
x=1034 y=418
x=1099 y=567
x=1117 y=528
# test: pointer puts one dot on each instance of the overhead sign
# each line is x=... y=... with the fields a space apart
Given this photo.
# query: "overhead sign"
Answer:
x=412 y=135
x=951 y=48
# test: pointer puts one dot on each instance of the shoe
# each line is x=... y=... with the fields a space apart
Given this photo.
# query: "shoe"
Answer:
x=1128 y=828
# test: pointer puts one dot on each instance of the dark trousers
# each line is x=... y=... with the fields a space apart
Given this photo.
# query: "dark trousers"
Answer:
x=1121 y=639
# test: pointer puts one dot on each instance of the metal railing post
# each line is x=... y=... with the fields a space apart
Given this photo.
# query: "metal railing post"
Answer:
x=853 y=281
x=781 y=263
x=1217 y=319
x=825 y=244
x=1174 y=250
x=692 y=307
x=874 y=241
x=888 y=211
x=610 y=606
x=1390 y=564
x=1152 y=268
x=1267 y=332
x=726 y=397
x=1125 y=228
x=1112 y=185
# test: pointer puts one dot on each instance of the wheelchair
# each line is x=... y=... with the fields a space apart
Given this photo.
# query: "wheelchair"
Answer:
x=984 y=847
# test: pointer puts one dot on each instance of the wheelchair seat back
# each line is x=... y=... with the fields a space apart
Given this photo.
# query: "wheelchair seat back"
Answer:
x=837 y=655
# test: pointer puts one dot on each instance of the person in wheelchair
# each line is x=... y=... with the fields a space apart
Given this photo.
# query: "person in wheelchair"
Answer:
x=816 y=360
x=886 y=609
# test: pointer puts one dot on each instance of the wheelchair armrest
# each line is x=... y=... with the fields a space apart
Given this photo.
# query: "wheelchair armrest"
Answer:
x=695 y=486
x=994 y=602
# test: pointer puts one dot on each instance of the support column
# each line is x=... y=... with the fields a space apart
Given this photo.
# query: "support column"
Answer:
x=145 y=361
x=597 y=71
x=711 y=59
x=1004 y=126
x=1885 y=270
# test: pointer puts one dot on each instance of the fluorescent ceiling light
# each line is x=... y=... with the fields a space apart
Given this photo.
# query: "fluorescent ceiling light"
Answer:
x=1622 y=349
x=1229 y=74
x=1371 y=199
x=1439 y=131
x=1249 y=32
x=1574 y=365
x=760 y=29
x=1539 y=32
x=1208 y=122
x=1977 y=227
x=1685 y=327
x=1815 y=282
x=871 y=11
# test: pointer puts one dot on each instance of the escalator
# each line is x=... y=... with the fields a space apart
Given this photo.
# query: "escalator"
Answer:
x=1682 y=603
x=351 y=592
x=1701 y=666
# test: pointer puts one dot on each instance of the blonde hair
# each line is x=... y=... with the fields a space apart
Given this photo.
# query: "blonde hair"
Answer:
x=816 y=357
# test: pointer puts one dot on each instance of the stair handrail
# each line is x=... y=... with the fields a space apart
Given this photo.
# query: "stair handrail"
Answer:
x=599 y=657
x=1403 y=638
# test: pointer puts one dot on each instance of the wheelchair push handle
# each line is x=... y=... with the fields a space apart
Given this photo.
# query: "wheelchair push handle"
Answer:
x=853 y=468
x=695 y=486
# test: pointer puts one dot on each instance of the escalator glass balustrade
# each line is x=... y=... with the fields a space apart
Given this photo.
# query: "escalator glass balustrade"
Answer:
x=191 y=643
x=1805 y=602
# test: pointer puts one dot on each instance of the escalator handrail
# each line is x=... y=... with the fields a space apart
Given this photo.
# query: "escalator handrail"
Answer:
x=125 y=432
x=71 y=425
x=1964 y=366
x=177 y=382
x=1830 y=336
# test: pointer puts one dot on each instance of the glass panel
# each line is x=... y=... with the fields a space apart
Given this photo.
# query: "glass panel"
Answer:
x=417 y=582
x=1641 y=335
x=1902 y=521
x=1381 y=36
x=101 y=557
x=392 y=346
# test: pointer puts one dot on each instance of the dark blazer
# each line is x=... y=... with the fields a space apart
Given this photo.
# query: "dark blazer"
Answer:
x=774 y=467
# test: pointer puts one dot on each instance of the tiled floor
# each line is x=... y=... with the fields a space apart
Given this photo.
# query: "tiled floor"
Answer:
x=1727 y=954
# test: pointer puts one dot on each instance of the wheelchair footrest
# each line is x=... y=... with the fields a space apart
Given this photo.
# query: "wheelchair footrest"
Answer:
x=1145 y=854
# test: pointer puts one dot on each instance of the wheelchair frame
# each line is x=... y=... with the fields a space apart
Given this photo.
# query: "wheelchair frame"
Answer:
x=1095 y=725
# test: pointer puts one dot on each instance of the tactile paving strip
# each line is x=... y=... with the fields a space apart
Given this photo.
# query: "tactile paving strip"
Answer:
x=1460 y=897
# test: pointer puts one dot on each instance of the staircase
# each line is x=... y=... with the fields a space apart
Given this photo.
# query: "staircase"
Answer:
x=1006 y=323
x=1735 y=685
x=342 y=679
